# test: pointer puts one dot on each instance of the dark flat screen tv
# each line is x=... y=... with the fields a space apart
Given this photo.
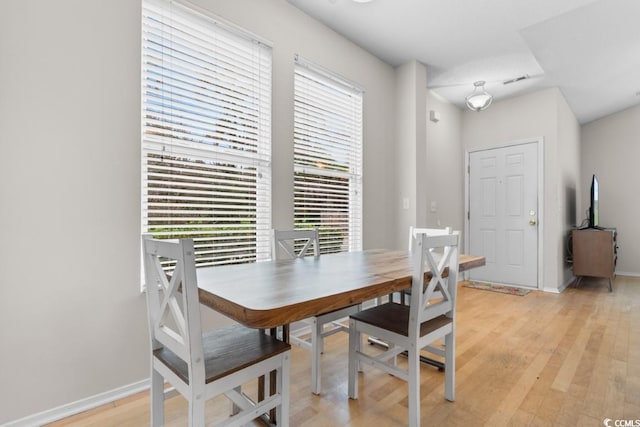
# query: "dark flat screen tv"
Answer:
x=594 y=213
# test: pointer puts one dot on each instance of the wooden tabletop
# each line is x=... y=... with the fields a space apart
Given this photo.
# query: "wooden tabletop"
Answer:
x=274 y=293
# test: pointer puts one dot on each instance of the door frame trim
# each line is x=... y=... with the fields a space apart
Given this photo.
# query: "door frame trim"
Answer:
x=541 y=216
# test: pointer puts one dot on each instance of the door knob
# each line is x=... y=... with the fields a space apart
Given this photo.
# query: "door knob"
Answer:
x=532 y=222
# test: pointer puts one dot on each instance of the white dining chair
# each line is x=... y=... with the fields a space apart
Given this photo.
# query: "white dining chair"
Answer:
x=404 y=296
x=413 y=231
x=200 y=366
x=415 y=327
x=290 y=244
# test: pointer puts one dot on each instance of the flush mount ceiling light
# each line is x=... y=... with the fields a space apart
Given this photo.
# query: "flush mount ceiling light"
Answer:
x=479 y=99
x=362 y=1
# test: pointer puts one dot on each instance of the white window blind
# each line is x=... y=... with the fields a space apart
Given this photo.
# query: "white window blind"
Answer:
x=328 y=158
x=206 y=136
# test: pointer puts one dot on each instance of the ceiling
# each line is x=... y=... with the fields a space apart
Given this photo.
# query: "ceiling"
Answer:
x=590 y=49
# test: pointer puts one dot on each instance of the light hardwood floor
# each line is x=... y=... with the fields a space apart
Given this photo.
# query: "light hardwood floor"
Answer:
x=543 y=359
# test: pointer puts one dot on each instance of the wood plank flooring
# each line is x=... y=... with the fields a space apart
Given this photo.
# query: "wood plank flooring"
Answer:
x=538 y=360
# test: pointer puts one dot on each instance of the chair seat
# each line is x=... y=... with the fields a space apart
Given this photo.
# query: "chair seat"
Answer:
x=394 y=317
x=226 y=351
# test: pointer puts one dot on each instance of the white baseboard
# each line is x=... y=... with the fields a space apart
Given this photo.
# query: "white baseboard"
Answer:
x=553 y=290
x=572 y=279
x=626 y=273
x=561 y=288
x=566 y=284
x=82 y=405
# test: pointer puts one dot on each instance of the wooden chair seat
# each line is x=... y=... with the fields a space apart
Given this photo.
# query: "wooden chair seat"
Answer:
x=226 y=350
x=394 y=317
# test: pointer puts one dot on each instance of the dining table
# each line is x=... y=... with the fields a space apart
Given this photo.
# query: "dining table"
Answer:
x=276 y=293
x=270 y=294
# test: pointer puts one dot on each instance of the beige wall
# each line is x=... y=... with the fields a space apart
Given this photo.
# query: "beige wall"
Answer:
x=73 y=319
x=444 y=165
x=409 y=146
x=538 y=114
x=610 y=149
x=569 y=184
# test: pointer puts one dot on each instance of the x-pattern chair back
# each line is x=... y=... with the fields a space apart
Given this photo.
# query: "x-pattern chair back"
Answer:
x=290 y=242
x=172 y=323
x=438 y=296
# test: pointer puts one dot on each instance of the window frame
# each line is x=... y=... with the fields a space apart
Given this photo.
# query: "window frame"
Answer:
x=201 y=114
x=333 y=98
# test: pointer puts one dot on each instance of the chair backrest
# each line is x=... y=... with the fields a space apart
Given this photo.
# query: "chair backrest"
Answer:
x=429 y=231
x=439 y=254
x=294 y=243
x=172 y=300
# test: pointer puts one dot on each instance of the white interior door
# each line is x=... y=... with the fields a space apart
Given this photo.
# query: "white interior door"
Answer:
x=503 y=214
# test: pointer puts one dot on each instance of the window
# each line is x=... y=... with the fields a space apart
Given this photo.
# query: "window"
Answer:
x=328 y=158
x=206 y=136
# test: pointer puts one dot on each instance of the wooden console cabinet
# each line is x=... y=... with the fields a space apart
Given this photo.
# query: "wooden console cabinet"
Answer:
x=595 y=252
